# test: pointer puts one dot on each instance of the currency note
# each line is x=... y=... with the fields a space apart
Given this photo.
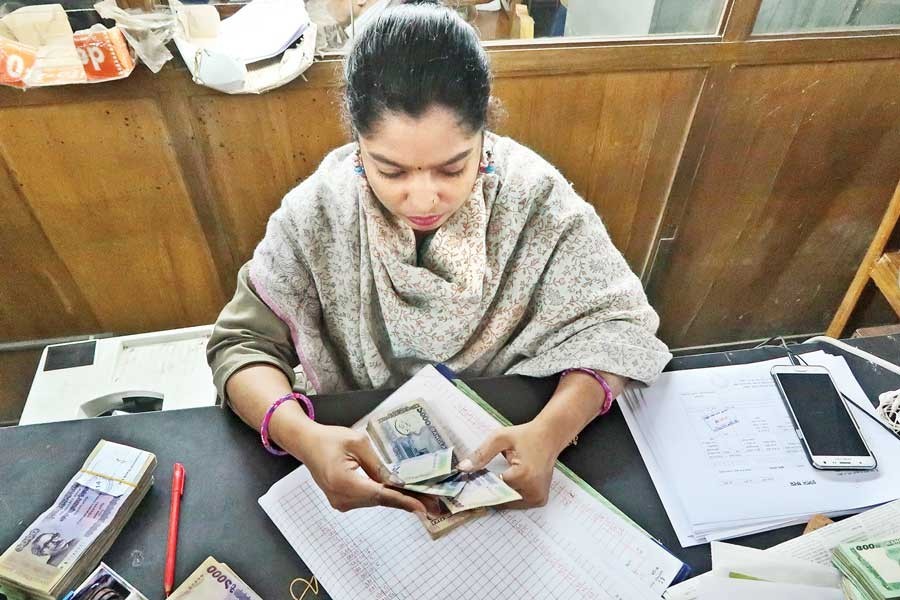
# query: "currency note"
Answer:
x=448 y=487
x=482 y=488
x=431 y=467
x=876 y=565
x=850 y=590
x=55 y=541
x=444 y=522
x=406 y=432
x=214 y=580
x=53 y=553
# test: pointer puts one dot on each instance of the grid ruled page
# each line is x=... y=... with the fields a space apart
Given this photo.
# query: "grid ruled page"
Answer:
x=593 y=532
x=383 y=553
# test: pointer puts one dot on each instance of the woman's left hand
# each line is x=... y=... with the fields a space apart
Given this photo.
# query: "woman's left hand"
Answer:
x=531 y=454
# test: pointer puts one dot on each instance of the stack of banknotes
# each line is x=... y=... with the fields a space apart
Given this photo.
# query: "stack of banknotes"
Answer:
x=419 y=452
x=213 y=580
x=871 y=569
x=66 y=542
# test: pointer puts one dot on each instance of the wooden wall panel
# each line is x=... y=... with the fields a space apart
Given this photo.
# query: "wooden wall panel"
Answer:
x=129 y=206
x=616 y=136
x=258 y=148
x=796 y=173
x=38 y=297
x=102 y=182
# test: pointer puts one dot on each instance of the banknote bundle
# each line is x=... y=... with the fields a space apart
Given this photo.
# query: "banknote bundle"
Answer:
x=58 y=550
x=213 y=580
x=871 y=569
x=419 y=451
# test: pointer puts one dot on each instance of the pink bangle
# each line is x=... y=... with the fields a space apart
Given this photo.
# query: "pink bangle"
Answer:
x=608 y=400
x=305 y=402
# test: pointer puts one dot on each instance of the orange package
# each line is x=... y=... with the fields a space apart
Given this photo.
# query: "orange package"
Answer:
x=16 y=61
x=103 y=53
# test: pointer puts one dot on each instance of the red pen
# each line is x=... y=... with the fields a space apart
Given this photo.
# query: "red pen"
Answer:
x=174 y=509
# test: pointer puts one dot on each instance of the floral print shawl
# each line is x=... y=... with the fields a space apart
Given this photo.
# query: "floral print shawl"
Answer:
x=522 y=279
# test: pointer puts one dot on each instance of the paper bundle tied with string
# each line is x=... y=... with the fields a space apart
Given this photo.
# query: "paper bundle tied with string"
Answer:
x=38 y=48
x=66 y=542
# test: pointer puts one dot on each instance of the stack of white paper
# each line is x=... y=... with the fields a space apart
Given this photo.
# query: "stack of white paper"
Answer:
x=726 y=461
x=747 y=573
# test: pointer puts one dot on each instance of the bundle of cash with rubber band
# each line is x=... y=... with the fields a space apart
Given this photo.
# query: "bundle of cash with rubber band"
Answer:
x=66 y=542
x=871 y=569
x=419 y=452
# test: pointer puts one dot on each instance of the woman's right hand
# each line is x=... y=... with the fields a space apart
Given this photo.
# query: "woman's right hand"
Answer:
x=333 y=454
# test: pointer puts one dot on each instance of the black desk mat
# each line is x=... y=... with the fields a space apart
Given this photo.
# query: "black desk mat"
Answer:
x=228 y=470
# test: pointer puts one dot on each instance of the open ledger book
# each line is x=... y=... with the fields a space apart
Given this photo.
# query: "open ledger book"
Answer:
x=578 y=546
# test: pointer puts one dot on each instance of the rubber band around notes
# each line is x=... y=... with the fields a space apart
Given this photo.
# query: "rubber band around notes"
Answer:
x=107 y=477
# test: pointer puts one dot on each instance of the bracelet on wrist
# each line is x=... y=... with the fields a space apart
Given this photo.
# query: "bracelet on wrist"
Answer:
x=301 y=399
x=608 y=395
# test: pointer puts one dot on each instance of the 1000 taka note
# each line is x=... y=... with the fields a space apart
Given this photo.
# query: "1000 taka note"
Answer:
x=482 y=489
x=406 y=432
x=214 y=580
x=434 y=466
x=409 y=433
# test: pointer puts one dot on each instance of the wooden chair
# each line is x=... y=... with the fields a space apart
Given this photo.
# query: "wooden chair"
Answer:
x=879 y=265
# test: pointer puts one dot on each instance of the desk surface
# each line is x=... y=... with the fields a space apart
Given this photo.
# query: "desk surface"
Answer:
x=228 y=470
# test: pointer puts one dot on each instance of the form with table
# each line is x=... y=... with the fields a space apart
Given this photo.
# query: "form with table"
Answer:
x=228 y=471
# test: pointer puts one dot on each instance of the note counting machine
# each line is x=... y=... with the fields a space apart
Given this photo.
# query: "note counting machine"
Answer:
x=162 y=370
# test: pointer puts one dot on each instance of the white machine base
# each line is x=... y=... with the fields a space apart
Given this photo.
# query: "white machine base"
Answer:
x=162 y=370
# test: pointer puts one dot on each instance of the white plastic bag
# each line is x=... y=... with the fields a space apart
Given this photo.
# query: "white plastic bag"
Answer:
x=147 y=33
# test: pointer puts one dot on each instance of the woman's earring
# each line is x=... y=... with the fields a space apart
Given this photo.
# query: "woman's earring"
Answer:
x=358 y=166
x=487 y=163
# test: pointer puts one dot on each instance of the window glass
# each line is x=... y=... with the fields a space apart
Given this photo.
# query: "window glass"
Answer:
x=528 y=19
x=783 y=16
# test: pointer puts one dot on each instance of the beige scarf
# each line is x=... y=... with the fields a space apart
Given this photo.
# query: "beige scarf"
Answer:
x=522 y=279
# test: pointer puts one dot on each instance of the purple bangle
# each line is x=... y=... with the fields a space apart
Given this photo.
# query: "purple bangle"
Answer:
x=264 y=427
x=608 y=400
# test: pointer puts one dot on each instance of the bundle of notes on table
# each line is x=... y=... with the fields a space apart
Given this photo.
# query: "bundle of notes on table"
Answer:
x=871 y=569
x=56 y=551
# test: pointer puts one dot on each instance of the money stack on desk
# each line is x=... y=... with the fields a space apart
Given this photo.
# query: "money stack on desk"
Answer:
x=57 y=551
x=871 y=569
x=420 y=453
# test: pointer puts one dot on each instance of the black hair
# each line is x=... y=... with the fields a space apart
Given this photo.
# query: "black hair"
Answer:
x=412 y=57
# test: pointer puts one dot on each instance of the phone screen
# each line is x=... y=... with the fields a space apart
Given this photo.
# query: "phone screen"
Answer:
x=822 y=415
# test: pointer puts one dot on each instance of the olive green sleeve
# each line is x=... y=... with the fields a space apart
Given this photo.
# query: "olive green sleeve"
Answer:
x=248 y=332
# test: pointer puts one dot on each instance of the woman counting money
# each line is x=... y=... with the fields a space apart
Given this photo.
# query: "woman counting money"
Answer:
x=427 y=240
